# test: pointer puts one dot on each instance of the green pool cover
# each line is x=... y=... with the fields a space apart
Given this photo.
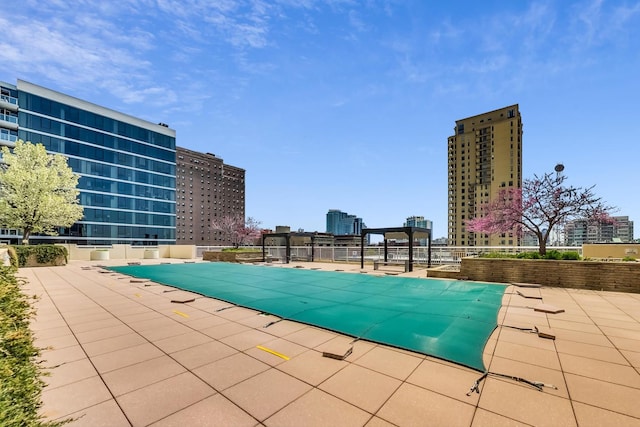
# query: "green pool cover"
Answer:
x=451 y=320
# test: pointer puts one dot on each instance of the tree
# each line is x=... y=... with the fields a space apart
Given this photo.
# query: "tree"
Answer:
x=236 y=230
x=38 y=191
x=543 y=203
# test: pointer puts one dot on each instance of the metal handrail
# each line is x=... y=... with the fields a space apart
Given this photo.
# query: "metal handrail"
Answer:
x=9 y=99
x=8 y=118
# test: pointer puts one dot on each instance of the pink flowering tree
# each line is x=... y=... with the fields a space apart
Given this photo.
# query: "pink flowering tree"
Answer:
x=543 y=203
x=236 y=230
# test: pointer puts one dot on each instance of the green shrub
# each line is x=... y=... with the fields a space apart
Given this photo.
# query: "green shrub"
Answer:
x=44 y=253
x=242 y=250
x=20 y=383
x=496 y=255
x=528 y=255
x=551 y=254
x=571 y=256
x=629 y=258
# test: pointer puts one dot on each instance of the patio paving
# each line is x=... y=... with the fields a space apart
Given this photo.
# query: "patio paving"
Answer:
x=122 y=354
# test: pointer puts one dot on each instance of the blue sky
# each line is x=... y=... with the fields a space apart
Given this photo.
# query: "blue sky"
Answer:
x=345 y=104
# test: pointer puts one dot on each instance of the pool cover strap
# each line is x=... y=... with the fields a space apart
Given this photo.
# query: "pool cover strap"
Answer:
x=538 y=385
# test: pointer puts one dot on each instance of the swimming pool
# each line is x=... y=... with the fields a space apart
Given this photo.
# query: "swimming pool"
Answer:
x=448 y=319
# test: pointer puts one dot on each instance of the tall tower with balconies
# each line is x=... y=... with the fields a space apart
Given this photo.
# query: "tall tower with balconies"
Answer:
x=484 y=157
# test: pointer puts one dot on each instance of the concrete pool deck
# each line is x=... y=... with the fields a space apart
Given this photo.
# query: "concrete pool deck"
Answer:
x=123 y=354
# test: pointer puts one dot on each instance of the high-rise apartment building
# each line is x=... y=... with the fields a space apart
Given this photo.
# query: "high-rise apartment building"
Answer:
x=341 y=223
x=484 y=157
x=127 y=166
x=207 y=190
x=581 y=231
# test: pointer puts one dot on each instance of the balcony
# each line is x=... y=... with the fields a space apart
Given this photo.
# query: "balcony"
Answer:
x=8 y=121
x=9 y=102
x=8 y=137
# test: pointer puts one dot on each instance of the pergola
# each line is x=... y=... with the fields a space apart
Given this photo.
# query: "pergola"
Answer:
x=287 y=238
x=395 y=233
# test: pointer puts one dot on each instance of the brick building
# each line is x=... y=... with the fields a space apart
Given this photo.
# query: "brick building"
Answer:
x=206 y=189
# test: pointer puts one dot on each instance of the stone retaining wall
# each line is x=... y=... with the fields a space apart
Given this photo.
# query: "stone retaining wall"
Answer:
x=607 y=276
x=232 y=256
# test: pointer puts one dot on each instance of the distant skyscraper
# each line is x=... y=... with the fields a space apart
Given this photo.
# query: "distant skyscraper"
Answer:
x=341 y=223
x=127 y=166
x=484 y=156
x=581 y=231
x=419 y=221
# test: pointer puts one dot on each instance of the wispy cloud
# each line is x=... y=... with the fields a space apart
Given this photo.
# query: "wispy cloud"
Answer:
x=140 y=51
x=587 y=23
x=117 y=47
x=58 y=50
x=596 y=23
x=513 y=45
x=357 y=22
x=446 y=31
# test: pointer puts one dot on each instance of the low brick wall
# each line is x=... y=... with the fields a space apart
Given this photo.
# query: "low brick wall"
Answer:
x=440 y=273
x=232 y=256
x=607 y=276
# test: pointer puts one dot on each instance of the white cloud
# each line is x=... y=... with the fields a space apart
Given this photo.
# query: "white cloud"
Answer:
x=157 y=96
x=444 y=33
x=588 y=19
x=356 y=22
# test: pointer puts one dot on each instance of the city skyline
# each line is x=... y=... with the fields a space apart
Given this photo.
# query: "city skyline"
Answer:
x=336 y=104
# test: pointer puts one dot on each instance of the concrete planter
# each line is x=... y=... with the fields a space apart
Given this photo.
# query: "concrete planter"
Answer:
x=99 y=255
x=33 y=262
x=232 y=256
x=151 y=254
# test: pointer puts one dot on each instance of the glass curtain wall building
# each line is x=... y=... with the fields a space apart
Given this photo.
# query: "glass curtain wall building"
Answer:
x=341 y=223
x=418 y=221
x=127 y=166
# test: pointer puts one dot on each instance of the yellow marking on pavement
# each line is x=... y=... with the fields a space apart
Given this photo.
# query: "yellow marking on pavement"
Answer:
x=275 y=353
x=138 y=295
x=179 y=313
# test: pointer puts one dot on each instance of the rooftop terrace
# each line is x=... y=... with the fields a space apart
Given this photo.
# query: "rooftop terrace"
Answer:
x=124 y=354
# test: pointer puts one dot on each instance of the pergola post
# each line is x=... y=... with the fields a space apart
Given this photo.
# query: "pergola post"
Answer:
x=362 y=233
x=429 y=251
x=313 y=239
x=385 y=248
x=409 y=232
x=287 y=252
